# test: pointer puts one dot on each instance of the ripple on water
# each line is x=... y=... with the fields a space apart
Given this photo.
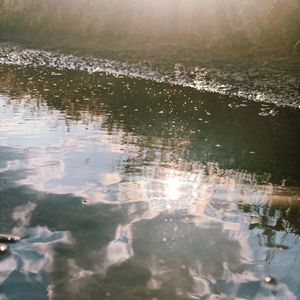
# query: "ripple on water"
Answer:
x=168 y=213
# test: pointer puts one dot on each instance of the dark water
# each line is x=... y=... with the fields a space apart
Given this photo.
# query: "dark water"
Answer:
x=125 y=188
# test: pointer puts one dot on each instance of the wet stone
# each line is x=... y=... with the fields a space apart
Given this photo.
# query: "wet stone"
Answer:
x=281 y=247
x=3 y=249
x=8 y=238
x=270 y=280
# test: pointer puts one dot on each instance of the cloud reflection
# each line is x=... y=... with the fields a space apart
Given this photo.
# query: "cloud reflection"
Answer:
x=120 y=249
x=31 y=258
x=185 y=224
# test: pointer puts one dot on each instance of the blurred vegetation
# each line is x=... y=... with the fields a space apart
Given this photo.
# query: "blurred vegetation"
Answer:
x=209 y=25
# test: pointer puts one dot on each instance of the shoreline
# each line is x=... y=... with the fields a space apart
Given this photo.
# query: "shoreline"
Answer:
x=264 y=77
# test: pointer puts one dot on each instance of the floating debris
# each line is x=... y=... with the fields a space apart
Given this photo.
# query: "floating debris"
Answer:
x=8 y=238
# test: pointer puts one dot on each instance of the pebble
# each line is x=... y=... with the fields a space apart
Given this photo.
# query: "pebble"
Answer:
x=270 y=280
x=3 y=249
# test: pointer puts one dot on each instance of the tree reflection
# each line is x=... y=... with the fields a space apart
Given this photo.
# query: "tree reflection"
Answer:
x=195 y=126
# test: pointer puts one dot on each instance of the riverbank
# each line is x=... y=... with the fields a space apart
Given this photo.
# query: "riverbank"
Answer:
x=259 y=75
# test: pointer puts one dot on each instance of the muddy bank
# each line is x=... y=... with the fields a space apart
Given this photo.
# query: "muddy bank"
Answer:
x=265 y=77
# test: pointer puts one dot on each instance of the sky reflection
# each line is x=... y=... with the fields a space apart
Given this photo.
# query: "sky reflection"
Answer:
x=31 y=259
x=105 y=206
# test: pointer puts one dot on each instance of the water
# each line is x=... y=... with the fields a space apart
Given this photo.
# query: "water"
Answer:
x=261 y=84
x=131 y=188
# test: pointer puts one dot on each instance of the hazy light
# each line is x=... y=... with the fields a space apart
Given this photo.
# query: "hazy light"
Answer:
x=173 y=188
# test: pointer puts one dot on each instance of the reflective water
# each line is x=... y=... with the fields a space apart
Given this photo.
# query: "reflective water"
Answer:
x=124 y=188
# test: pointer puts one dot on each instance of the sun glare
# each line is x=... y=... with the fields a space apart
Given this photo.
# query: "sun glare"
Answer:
x=173 y=188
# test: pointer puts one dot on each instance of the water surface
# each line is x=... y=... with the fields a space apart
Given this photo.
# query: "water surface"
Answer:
x=129 y=188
